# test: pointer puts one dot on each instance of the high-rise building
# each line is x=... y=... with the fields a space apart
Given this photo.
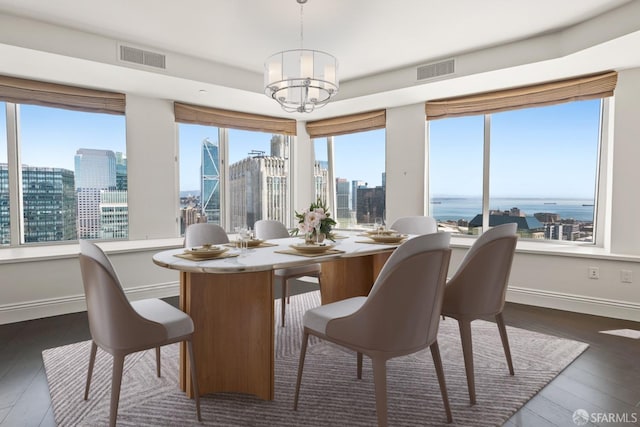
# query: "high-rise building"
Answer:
x=121 y=172
x=259 y=186
x=190 y=211
x=321 y=180
x=210 y=181
x=95 y=172
x=5 y=215
x=371 y=204
x=343 y=215
x=114 y=214
x=553 y=232
x=49 y=204
x=355 y=184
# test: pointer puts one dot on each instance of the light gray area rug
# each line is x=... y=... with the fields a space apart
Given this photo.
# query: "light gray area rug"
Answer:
x=330 y=394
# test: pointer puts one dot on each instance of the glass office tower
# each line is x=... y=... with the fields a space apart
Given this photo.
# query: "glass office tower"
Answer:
x=95 y=172
x=210 y=181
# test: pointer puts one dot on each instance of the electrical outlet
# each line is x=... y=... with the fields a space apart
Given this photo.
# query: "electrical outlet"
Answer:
x=626 y=276
x=594 y=273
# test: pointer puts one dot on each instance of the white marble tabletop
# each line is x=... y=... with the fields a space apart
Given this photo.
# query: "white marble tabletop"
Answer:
x=266 y=258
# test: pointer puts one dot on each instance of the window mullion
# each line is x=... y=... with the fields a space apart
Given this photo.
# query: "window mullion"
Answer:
x=15 y=174
x=331 y=176
x=486 y=172
x=224 y=190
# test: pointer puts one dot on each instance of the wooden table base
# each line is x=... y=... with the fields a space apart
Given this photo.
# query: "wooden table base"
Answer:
x=233 y=340
x=234 y=332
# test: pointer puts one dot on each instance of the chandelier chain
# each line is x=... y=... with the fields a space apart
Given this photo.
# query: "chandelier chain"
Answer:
x=301 y=25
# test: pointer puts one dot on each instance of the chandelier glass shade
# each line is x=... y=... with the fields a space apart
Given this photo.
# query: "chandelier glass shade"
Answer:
x=301 y=80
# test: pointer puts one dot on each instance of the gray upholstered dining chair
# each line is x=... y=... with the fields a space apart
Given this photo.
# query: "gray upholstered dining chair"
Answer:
x=267 y=229
x=415 y=225
x=400 y=315
x=205 y=232
x=478 y=289
x=120 y=327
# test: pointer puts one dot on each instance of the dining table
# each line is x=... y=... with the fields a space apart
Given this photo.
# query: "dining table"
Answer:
x=231 y=301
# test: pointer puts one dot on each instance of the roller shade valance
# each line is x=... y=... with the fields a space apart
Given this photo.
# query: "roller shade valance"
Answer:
x=347 y=124
x=187 y=113
x=23 y=91
x=580 y=88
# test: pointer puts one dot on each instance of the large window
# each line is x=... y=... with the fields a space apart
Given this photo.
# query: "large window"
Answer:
x=199 y=174
x=541 y=165
x=254 y=186
x=350 y=175
x=455 y=170
x=73 y=174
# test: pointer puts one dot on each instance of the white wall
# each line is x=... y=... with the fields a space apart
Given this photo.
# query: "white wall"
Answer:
x=152 y=168
x=38 y=288
x=406 y=162
x=625 y=232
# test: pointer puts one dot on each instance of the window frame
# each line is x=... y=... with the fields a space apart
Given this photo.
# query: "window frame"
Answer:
x=224 y=167
x=602 y=190
x=15 y=175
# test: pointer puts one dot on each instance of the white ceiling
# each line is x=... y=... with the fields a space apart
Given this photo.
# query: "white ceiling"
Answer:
x=220 y=45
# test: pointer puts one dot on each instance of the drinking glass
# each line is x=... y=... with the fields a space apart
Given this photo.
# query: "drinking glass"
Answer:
x=379 y=225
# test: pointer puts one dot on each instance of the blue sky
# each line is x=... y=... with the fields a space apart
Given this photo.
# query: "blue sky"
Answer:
x=541 y=152
x=50 y=137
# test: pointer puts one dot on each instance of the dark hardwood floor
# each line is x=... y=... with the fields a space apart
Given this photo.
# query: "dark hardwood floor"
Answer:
x=603 y=380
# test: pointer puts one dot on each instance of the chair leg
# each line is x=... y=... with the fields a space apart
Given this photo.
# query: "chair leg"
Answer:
x=320 y=284
x=116 y=381
x=285 y=292
x=380 y=383
x=194 y=378
x=359 y=365
x=467 y=352
x=158 y=361
x=303 y=352
x=505 y=341
x=92 y=360
x=437 y=362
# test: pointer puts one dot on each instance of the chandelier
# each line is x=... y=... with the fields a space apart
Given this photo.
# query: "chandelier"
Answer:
x=301 y=80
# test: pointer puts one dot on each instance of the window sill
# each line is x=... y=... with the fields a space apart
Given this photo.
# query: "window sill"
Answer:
x=62 y=251
x=555 y=249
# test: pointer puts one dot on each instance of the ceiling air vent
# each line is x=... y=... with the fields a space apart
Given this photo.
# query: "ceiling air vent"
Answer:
x=436 y=69
x=142 y=57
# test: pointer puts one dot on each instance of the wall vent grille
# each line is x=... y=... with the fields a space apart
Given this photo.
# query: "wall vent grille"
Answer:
x=142 y=57
x=436 y=69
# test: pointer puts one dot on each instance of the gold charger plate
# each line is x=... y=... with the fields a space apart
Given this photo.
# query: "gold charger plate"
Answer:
x=381 y=232
x=311 y=249
x=254 y=242
x=381 y=238
x=206 y=252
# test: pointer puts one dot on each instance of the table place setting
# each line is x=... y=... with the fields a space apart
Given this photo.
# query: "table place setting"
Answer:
x=250 y=243
x=206 y=252
x=310 y=249
x=387 y=237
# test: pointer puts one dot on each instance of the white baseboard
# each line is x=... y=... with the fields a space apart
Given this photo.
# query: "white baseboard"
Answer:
x=11 y=313
x=576 y=303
